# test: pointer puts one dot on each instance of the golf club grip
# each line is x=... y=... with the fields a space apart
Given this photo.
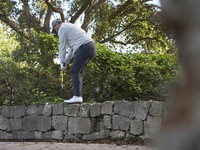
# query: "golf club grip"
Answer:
x=62 y=76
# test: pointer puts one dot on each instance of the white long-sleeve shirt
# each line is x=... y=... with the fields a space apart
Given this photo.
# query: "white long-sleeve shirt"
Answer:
x=72 y=36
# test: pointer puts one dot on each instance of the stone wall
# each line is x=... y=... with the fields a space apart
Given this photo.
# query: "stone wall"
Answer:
x=86 y=121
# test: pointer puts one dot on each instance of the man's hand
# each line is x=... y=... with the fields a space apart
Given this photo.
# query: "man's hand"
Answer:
x=63 y=67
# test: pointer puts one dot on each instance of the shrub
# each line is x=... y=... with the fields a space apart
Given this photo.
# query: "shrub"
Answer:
x=26 y=86
x=30 y=76
x=118 y=76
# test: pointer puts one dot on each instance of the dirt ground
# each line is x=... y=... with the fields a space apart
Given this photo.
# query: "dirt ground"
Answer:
x=67 y=146
x=106 y=144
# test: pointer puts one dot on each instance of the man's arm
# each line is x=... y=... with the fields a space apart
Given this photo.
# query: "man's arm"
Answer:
x=63 y=38
x=69 y=55
x=62 y=48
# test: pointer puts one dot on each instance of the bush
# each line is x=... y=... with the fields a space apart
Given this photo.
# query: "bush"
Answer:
x=30 y=76
x=118 y=76
x=24 y=86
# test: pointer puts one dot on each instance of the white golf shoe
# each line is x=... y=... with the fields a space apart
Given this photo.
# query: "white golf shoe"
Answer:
x=74 y=99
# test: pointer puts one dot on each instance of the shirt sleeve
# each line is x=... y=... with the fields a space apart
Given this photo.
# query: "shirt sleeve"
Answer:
x=69 y=55
x=63 y=38
x=62 y=47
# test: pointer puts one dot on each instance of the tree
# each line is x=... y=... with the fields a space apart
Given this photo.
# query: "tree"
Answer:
x=121 y=22
x=25 y=77
x=8 y=43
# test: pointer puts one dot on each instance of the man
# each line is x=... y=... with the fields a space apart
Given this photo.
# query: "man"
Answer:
x=80 y=42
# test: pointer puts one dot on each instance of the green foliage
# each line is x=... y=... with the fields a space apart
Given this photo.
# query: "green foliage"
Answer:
x=26 y=86
x=118 y=76
x=136 y=26
x=7 y=43
x=39 y=52
x=29 y=75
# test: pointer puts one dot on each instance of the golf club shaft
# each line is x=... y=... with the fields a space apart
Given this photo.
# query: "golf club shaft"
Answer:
x=63 y=76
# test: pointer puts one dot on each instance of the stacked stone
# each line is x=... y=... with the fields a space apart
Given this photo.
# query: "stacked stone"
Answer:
x=87 y=121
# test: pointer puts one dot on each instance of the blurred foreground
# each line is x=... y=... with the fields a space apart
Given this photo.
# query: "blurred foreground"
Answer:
x=181 y=130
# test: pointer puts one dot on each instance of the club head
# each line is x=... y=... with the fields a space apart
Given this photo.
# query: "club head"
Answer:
x=62 y=85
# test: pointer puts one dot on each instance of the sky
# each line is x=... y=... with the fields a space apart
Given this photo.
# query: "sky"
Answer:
x=156 y=2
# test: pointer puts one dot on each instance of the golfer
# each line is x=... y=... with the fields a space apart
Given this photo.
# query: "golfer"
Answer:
x=80 y=42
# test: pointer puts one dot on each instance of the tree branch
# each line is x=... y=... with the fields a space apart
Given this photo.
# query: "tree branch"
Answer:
x=111 y=37
x=58 y=10
x=2 y=11
x=128 y=11
x=88 y=13
x=47 y=19
x=121 y=9
x=14 y=26
x=79 y=12
x=29 y=18
x=87 y=17
x=98 y=5
x=126 y=43
x=41 y=16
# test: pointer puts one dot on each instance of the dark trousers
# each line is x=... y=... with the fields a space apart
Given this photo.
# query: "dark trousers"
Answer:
x=82 y=57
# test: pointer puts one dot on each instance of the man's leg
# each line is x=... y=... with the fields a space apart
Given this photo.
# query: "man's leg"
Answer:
x=82 y=57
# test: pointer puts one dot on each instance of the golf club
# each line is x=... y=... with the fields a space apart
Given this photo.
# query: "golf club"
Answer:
x=62 y=85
